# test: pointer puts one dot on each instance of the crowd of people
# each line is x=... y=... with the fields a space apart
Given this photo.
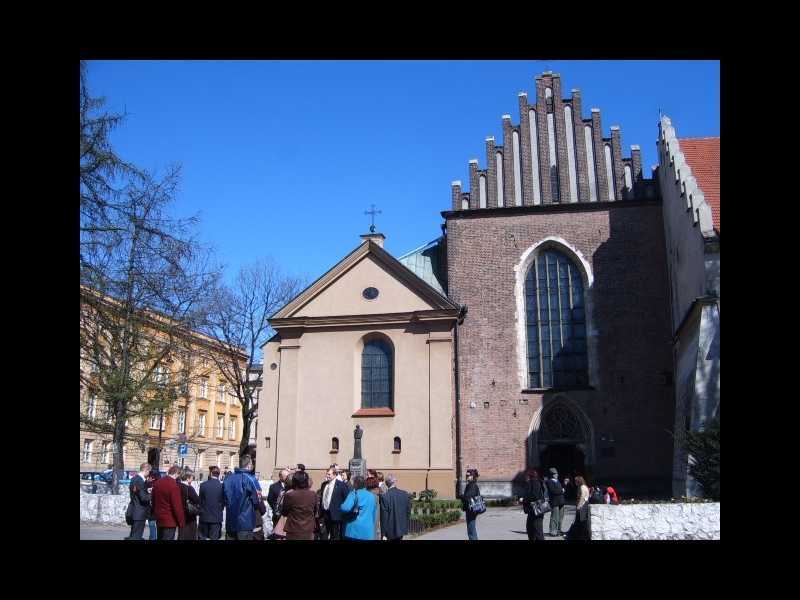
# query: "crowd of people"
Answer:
x=542 y=496
x=343 y=508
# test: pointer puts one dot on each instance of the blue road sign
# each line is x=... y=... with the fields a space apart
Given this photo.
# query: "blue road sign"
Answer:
x=183 y=450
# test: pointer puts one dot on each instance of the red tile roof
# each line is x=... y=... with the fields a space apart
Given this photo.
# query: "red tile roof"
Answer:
x=702 y=154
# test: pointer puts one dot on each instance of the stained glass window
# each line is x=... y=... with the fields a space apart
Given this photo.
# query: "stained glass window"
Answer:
x=376 y=375
x=556 y=323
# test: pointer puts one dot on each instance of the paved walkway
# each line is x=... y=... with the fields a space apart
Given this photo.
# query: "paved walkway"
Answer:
x=497 y=524
x=494 y=524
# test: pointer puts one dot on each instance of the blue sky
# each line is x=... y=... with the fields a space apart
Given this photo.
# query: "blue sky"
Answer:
x=282 y=158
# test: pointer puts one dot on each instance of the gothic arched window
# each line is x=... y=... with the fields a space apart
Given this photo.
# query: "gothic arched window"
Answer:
x=556 y=322
x=377 y=374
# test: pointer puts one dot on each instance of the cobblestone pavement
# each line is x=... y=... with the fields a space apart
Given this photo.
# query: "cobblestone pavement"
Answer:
x=497 y=524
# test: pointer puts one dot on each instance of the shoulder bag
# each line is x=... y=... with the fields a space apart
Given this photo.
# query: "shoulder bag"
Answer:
x=541 y=507
x=477 y=504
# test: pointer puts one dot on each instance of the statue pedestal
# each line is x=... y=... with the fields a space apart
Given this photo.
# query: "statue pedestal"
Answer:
x=357 y=466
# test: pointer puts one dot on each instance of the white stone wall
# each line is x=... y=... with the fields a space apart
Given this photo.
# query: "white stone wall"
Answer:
x=688 y=521
x=110 y=509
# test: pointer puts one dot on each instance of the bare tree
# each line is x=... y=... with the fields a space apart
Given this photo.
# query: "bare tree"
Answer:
x=141 y=282
x=236 y=317
x=142 y=274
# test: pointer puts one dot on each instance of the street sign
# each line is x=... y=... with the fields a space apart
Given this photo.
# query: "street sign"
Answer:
x=183 y=450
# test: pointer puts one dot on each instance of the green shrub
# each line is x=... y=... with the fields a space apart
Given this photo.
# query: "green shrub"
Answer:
x=427 y=495
x=703 y=446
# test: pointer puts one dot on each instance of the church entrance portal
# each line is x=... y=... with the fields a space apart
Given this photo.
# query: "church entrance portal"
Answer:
x=562 y=440
x=568 y=459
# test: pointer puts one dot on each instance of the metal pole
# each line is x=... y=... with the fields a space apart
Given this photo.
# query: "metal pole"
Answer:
x=160 y=427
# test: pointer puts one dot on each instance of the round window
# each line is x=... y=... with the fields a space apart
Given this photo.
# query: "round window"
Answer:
x=370 y=293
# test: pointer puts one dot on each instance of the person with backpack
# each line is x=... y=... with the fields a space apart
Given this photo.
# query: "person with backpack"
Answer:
x=472 y=503
x=556 y=492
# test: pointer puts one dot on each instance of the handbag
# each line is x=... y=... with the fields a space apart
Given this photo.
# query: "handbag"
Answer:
x=477 y=504
x=541 y=507
x=279 y=531
x=129 y=513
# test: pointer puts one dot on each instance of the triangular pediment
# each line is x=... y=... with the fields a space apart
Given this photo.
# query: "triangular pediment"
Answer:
x=340 y=290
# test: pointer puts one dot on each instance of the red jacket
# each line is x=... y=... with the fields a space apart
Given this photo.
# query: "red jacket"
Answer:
x=167 y=503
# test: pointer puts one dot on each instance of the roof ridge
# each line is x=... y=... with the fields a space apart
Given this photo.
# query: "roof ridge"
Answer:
x=707 y=137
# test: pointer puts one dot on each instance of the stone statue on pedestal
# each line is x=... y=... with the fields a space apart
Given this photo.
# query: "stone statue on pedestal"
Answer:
x=357 y=465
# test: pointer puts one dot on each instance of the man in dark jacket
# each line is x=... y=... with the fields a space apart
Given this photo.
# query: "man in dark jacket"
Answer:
x=212 y=504
x=333 y=493
x=556 y=492
x=140 y=502
x=241 y=502
x=395 y=511
x=168 y=504
x=274 y=492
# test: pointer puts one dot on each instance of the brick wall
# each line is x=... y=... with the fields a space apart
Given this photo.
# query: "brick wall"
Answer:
x=632 y=397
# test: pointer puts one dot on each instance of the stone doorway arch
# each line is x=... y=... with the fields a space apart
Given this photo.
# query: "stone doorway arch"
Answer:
x=560 y=424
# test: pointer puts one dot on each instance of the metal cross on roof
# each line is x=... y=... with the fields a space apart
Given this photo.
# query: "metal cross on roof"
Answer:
x=372 y=212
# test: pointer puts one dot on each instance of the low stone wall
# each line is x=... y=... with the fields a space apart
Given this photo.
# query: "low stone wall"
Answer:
x=104 y=508
x=690 y=521
x=110 y=510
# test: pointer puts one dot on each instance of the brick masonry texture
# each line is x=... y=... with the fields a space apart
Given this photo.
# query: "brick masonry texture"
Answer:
x=630 y=399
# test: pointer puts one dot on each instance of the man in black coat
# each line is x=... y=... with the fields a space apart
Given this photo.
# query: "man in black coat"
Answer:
x=332 y=493
x=556 y=492
x=395 y=511
x=274 y=492
x=140 y=502
x=211 y=505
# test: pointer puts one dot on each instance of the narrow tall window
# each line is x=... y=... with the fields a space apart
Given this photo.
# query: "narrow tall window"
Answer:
x=464 y=204
x=482 y=186
x=269 y=441
x=220 y=425
x=204 y=388
x=105 y=457
x=537 y=195
x=377 y=374
x=87 y=451
x=556 y=322
x=498 y=157
x=221 y=393
x=590 y=163
x=201 y=424
x=334 y=444
x=517 y=170
x=181 y=420
x=609 y=170
x=232 y=428
x=397 y=445
x=573 y=175
x=551 y=141
x=92 y=409
x=628 y=179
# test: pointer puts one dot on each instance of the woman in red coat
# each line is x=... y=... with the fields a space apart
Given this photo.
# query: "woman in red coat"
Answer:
x=167 y=504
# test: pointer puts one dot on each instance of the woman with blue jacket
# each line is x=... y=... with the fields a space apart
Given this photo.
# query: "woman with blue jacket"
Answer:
x=362 y=527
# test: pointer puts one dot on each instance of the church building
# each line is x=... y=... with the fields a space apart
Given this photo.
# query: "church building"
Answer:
x=539 y=331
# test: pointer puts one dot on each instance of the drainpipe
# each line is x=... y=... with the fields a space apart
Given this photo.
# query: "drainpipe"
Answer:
x=461 y=314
